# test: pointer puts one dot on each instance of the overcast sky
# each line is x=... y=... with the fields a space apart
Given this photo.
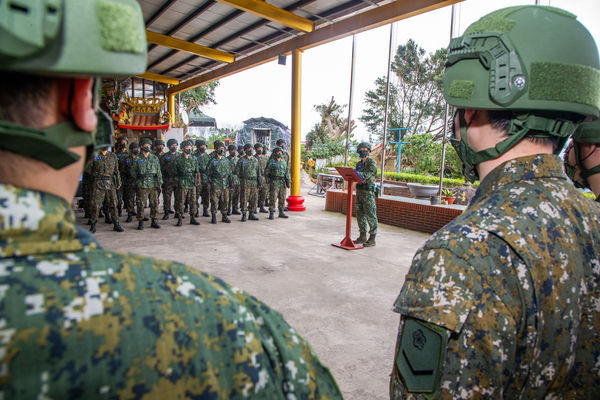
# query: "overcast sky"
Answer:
x=265 y=91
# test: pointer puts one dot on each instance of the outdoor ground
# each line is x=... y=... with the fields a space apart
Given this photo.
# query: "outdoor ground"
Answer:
x=337 y=299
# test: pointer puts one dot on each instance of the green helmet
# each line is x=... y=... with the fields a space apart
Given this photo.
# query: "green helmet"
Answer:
x=171 y=141
x=144 y=141
x=68 y=38
x=247 y=146
x=134 y=145
x=200 y=142
x=279 y=142
x=185 y=143
x=276 y=149
x=587 y=132
x=158 y=142
x=258 y=145
x=500 y=64
x=365 y=145
x=231 y=147
x=218 y=144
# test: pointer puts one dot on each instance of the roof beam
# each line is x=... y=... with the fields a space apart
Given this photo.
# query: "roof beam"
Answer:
x=158 y=78
x=380 y=16
x=272 y=13
x=188 y=47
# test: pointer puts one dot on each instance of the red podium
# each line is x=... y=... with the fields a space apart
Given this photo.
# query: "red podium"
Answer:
x=351 y=176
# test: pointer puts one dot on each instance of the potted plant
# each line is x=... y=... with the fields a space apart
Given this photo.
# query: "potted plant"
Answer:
x=448 y=196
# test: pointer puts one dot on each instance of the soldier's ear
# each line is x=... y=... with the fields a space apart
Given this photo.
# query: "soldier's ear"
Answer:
x=76 y=102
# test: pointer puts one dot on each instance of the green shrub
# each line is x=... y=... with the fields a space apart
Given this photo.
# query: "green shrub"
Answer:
x=426 y=179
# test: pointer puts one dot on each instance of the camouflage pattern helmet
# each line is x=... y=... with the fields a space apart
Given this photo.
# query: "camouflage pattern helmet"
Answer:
x=240 y=148
x=218 y=144
x=134 y=145
x=186 y=143
x=200 y=142
x=171 y=141
x=258 y=145
x=144 y=141
x=280 y=142
x=247 y=146
x=158 y=142
x=277 y=149
x=232 y=147
x=365 y=145
x=122 y=138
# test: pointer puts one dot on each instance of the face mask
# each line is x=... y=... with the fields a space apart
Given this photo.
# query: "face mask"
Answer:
x=277 y=155
x=258 y=152
x=123 y=146
x=173 y=148
x=363 y=153
x=202 y=149
x=233 y=154
x=249 y=152
x=145 y=149
x=282 y=147
x=160 y=149
x=135 y=151
x=187 y=150
x=220 y=152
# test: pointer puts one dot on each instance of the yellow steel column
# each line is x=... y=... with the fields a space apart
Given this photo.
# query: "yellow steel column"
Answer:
x=295 y=201
x=172 y=108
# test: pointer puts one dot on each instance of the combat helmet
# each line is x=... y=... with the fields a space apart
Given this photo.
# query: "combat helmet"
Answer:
x=365 y=145
x=499 y=64
x=158 y=142
x=217 y=144
x=587 y=132
x=45 y=38
x=232 y=147
x=199 y=142
x=171 y=141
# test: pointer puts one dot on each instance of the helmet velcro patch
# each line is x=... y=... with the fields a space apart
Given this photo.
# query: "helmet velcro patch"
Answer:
x=461 y=89
x=119 y=27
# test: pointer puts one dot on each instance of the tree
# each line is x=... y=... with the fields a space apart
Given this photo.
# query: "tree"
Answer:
x=199 y=96
x=416 y=99
x=332 y=126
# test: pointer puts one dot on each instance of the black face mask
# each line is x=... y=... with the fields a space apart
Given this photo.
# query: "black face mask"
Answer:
x=160 y=149
x=135 y=151
x=249 y=152
x=146 y=149
x=363 y=153
x=187 y=150
x=277 y=155
x=233 y=154
x=123 y=146
x=220 y=152
x=258 y=152
x=202 y=150
x=173 y=148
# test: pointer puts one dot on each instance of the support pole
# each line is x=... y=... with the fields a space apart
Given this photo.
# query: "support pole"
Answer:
x=385 y=112
x=295 y=201
x=352 y=65
x=172 y=109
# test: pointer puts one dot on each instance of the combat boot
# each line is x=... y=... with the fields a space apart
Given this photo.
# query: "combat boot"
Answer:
x=166 y=216
x=141 y=225
x=100 y=214
x=89 y=221
x=236 y=211
x=361 y=238
x=271 y=214
x=229 y=211
x=243 y=216
x=154 y=224
x=117 y=227
x=93 y=227
x=214 y=218
x=282 y=214
x=185 y=208
x=108 y=219
x=178 y=222
x=263 y=209
x=252 y=217
x=370 y=242
x=205 y=213
x=225 y=219
x=146 y=219
x=129 y=217
x=193 y=221
x=197 y=214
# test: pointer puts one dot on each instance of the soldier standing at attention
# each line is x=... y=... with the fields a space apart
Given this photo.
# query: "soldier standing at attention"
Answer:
x=105 y=171
x=121 y=153
x=128 y=181
x=188 y=174
x=284 y=154
x=263 y=190
x=203 y=187
x=503 y=301
x=366 y=209
x=248 y=171
x=82 y=322
x=148 y=179
x=277 y=174
x=221 y=180
x=234 y=193
x=168 y=168
x=583 y=158
x=158 y=147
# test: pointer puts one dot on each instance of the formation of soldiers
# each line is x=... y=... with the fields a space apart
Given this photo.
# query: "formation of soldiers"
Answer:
x=244 y=182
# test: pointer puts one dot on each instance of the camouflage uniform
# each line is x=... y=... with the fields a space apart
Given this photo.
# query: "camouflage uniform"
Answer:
x=82 y=322
x=168 y=169
x=129 y=184
x=278 y=176
x=512 y=285
x=105 y=171
x=248 y=171
x=148 y=177
x=121 y=155
x=366 y=209
x=87 y=186
x=187 y=170
x=234 y=192
x=203 y=187
x=263 y=190
x=219 y=176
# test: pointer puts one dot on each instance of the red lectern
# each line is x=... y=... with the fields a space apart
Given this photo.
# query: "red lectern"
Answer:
x=351 y=176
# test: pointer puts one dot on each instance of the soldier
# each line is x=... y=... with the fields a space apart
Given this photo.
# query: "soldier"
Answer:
x=502 y=301
x=158 y=147
x=582 y=160
x=121 y=153
x=277 y=175
x=234 y=193
x=220 y=178
x=128 y=181
x=146 y=171
x=188 y=175
x=263 y=190
x=168 y=168
x=284 y=154
x=79 y=321
x=87 y=188
x=366 y=209
x=248 y=171
x=203 y=187
x=104 y=169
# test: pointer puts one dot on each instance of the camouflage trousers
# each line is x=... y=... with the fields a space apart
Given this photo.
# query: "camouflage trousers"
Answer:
x=234 y=196
x=129 y=196
x=277 y=194
x=366 y=211
x=120 y=199
x=169 y=188
x=219 y=200
x=98 y=198
x=263 y=193
x=142 y=195
x=87 y=191
x=204 y=191
x=248 y=197
x=185 y=196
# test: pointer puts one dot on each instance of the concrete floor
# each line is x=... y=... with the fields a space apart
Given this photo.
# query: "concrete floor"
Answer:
x=337 y=299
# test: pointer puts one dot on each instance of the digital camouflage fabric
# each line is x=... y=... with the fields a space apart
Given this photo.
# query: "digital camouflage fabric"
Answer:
x=514 y=281
x=366 y=209
x=81 y=322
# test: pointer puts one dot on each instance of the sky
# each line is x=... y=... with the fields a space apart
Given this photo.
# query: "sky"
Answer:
x=265 y=91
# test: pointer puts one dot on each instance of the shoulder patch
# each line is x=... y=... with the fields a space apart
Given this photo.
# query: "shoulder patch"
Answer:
x=420 y=355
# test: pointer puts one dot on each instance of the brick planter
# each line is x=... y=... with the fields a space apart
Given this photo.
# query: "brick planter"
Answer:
x=413 y=214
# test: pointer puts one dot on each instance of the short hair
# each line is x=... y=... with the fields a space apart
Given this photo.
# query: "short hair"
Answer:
x=24 y=99
x=501 y=120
